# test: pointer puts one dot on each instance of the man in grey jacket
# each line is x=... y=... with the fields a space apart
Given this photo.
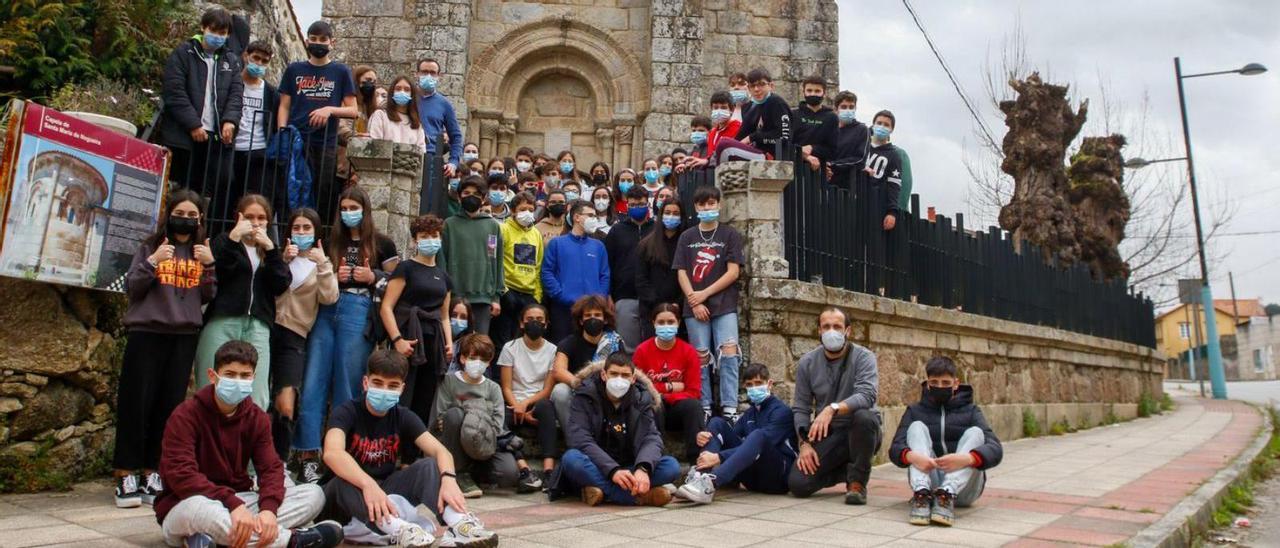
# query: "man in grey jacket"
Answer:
x=836 y=417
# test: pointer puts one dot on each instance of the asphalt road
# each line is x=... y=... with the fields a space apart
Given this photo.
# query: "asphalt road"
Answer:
x=1260 y=392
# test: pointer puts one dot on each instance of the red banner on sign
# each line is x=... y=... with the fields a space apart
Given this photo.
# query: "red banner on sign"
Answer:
x=50 y=124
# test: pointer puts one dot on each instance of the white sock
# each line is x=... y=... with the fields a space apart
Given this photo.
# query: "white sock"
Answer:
x=452 y=517
x=392 y=525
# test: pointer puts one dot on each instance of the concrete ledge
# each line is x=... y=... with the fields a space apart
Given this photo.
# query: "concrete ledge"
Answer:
x=1178 y=527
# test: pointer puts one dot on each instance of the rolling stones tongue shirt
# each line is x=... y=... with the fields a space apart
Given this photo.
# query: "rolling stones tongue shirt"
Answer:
x=705 y=257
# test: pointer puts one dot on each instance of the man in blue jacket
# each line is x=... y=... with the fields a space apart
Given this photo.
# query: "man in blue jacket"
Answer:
x=437 y=115
x=757 y=451
x=573 y=265
x=946 y=445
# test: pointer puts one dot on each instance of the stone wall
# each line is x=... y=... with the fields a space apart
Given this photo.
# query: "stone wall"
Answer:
x=273 y=22
x=392 y=175
x=58 y=373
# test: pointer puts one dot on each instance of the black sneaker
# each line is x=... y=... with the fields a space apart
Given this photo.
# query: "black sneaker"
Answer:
x=309 y=471
x=325 y=534
x=546 y=478
x=152 y=488
x=128 y=494
x=529 y=482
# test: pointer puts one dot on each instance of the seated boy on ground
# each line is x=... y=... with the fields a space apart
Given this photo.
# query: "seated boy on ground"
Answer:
x=208 y=444
x=371 y=492
x=756 y=451
x=946 y=445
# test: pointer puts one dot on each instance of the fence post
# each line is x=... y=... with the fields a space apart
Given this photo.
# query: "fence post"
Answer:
x=752 y=203
x=392 y=174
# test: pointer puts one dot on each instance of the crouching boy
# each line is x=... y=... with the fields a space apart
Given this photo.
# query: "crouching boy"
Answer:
x=370 y=490
x=208 y=444
x=946 y=446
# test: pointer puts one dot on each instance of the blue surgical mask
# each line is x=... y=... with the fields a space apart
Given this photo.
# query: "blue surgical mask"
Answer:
x=493 y=172
x=625 y=186
x=762 y=100
x=453 y=184
x=757 y=394
x=458 y=325
x=881 y=132
x=846 y=116
x=381 y=399
x=469 y=156
x=214 y=41
x=739 y=96
x=428 y=83
x=497 y=197
x=698 y=137
x=664 y=171
x=672 y=222
x=352 y=218
x=709 y=216
x=638 y=213
x=651 y=175
x=401 y=97
x=255 y=70
x=570 y=196
x=429 y=246
x=666 y=333
x=304 y=241
x=719 y=116
x=566 y=167
x=233 y=391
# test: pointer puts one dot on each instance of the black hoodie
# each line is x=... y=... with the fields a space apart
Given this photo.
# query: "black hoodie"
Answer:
x=243 y=290
x=958 y=415
x=817 y=129
x=183 y=88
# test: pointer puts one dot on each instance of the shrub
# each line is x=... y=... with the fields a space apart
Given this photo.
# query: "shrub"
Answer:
x=109 y=97
x=1030 y=424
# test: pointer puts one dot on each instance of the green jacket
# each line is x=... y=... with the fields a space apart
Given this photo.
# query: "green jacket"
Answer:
x=471 y=252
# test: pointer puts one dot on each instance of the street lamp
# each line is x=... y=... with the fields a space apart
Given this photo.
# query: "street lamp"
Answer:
x=1217 y=376
x=1139 y=163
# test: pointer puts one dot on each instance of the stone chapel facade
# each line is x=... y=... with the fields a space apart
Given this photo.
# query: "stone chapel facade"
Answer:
x=614 y=80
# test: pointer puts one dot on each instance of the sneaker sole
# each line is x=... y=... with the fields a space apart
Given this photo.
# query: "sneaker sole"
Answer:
x=149 y=500
x=917 y=520
x=692 y=496
x=490 y=542
x=939 y=520
x=131 y=502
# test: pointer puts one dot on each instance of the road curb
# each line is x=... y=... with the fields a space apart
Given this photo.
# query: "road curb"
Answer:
x=1195 y=513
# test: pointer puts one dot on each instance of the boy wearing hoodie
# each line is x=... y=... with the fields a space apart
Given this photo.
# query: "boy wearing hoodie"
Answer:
x=209 y=496
x=946 y=446
x=472 y=255
x=756 y=451
x=815 y=132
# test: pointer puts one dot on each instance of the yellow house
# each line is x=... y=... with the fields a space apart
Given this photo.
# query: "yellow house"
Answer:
x=1175 y=328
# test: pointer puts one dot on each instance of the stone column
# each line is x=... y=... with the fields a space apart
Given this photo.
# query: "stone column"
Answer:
x=488 y=138
x=392 y=175
x=604 y=143
x=622 y=139
x=506 y=138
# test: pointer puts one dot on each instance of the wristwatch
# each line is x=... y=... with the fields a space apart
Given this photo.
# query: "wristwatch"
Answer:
x=835 y=407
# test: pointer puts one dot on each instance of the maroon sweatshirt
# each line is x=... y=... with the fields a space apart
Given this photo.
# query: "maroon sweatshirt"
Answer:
x=207 y=453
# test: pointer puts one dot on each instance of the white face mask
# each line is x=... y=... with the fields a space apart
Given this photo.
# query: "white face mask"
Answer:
x=833 y=340
x=602 y=204
x=617 y=386
x=475 y=368
x=525 y=218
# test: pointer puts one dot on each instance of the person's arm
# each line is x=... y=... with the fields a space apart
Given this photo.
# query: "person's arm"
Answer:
x=500 y=286
x=181 y=468
x=455 y=136
x=177 y=104
x=395 y=287
x=560 y=371
x=898 y=449
x=235 y=97
x=579 y=436
x=268 y=466
x=282 y=111
x=348 y=108
x=279 y=277
x=692 y=374
x=506 y=369
x=866 y=378
x=645 y=292
x=605 y=274
x=548 y=383
x=445 y=306
x=378 y=125
x=729 y=278
x=991 y=452
x=208 y=283
x=648 y=442
x=550 y=273
x=142 y=275
x=341 y=463
x=326 y=281
x=904 y=197
x=802 y=399
x=496 y=405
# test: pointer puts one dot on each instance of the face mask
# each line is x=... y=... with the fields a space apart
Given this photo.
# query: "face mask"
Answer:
x=352 y=218
x=475 y=368
x=940 y=396
x=739 y=96
x=535 y=329
x=523 y=166
x=497 y=197
x=182 y=226
x=233 y=391
x=719 y=116
x=617 y=387
x=845 y=116
x=566 y=167
x=600 y=179
x=493 y=172
x=671 y=221
x=380 y=399
x=556 y=210
x=525 y=218
x=638 y=213
x=813 y=100
x=666 y=333
x=590 y=226
x=651 y=175
x=429 y=246
x=552 y=182
x=255 y=70
x=709 y=216
x=428 y=83
x=881 y=132
x=570 y=196
x=470 y=156
x=458 y=325
x=401 y=98
x=214 y=41
x=367 y=88
x=624 y=186
x=304 y=241
x=833 y=340
x=602 y=204
x=698 y=137
x=471 y=203
x=664 y=171
x=319 y=51
x=593 y=326
x=761 y=101
x=757 y=394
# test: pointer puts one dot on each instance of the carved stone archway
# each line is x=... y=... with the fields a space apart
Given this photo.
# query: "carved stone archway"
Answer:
x=558 y=50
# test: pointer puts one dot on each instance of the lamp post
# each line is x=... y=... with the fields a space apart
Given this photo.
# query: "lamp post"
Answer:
x=1217 y=375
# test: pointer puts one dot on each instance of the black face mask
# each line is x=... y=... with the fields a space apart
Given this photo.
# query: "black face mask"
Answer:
x=471 y=203
x=367 y=88
x=556 y=210
x=813 y=100
x=535 y=329
x=593 y=327
x=319 y=51
x=600 y=179
x=940 y=396
x=182 y=226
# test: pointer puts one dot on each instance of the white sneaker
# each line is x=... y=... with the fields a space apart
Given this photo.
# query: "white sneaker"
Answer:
x=414 y=536
x=152 y=488
x=469 y=532
x=698 y=487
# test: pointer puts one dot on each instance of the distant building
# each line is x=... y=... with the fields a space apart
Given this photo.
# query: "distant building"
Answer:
x=1176 y=331
x=1258 y=348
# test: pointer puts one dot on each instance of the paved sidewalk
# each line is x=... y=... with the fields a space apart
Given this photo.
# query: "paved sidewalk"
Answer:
x=1096 y=487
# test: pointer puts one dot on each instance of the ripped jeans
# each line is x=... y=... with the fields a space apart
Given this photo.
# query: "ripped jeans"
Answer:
x=721 y=333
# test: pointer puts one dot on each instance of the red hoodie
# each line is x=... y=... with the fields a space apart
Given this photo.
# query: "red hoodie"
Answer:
x=680 y=364
x=207 y=453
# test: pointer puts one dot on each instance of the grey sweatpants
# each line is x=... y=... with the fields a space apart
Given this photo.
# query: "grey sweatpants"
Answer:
x=199 y=514
x=965 y=484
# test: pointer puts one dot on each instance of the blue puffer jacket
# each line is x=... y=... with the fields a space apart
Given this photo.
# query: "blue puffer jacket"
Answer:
x=285 y=147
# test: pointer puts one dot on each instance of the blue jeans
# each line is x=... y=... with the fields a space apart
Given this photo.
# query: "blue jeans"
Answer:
x=336 y=354
x=720 y=332
x=581 y=472
x=753 y=461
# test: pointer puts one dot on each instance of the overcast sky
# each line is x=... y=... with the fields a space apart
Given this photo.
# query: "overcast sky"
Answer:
x=1235 y=120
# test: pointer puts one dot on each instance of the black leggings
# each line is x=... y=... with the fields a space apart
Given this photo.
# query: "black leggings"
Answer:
x=288 y=363
x=545 y=412
x=687 y=416
x=153 y=381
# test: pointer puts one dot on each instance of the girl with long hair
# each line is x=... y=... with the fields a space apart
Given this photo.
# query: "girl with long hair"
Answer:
x=398 y=119
x=656 y=282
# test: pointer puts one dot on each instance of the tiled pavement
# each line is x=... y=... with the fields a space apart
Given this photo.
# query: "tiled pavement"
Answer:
x=1096 y=487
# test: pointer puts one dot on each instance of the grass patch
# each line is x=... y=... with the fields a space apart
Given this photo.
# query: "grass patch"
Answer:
x=36 y=472
x=1061 y=427
x=1166 y=402
x=1147 y=405
x=1239 y=497
x=1030 y=424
